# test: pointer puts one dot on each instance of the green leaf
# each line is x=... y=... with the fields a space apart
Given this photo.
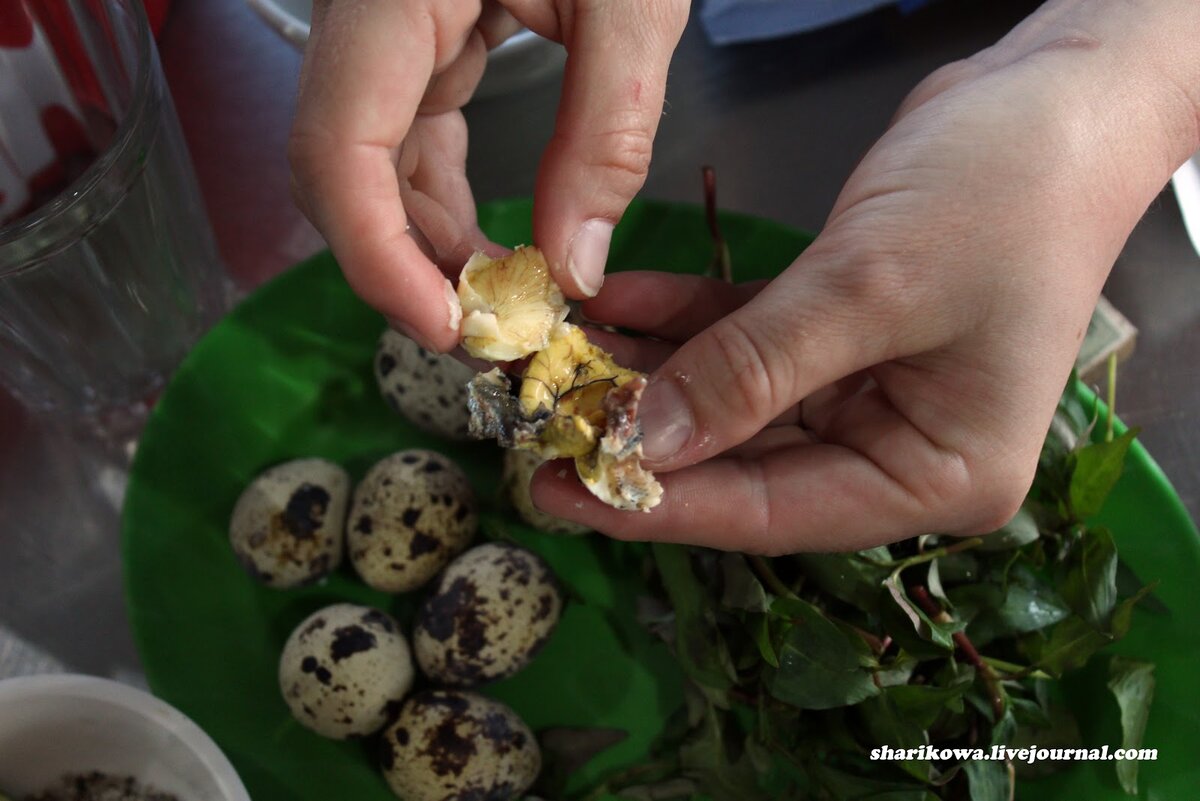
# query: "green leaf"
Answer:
x=1132 y=683
x=1021 y=530
x=852 y=578
x=760 y=628
x=923 y=703
x=897 y=672
x=988 y=780
x=1071 y=642
x=887 y=726
x=1030 y=604
x=699 y=646
x=820 y=665
x=741 y=589
x=1069 y=645
x=723 y=771
x=1089 y=584
x=1128 y=583
x=1004 y=729
x=1096 y=469
x=845 y=786
x=955 y=568
x=1058 y=729
x=940 y=634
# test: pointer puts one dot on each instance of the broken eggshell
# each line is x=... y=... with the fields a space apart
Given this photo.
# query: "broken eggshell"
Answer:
x=574 y=401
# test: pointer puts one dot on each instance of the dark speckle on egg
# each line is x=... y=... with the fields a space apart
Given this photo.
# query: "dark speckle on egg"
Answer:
x=311 y=665
x=447 y=750
x=350 y=640
x=422 y=544
x=305 y=510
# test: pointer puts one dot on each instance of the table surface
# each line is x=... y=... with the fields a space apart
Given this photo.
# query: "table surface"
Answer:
x=783 y=122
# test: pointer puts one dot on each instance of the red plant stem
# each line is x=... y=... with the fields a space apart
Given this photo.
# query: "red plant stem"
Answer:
x=714 y=225
x=939 y=615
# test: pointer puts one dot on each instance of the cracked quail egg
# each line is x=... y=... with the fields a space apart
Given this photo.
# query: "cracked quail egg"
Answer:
x=492 y=609
x=449 y=745
x=510 y=305
x=344 y=670
x=429 y=389
x=287 y=526
x=573 y=400
x=519 y=467
x=411 y=514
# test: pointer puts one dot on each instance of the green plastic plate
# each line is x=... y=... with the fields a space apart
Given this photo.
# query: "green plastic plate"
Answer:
x=288 y=374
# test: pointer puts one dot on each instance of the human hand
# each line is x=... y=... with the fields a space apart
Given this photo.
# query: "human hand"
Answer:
x=379 y=139
x=900 y=376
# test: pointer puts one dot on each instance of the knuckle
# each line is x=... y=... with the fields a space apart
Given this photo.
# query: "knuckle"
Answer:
x=994 y=499
x=623 y=155
x=744 y=359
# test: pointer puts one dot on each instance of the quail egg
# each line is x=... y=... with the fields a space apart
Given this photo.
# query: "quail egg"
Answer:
x=493 y=608
x=287 y=526
x=411 y=514
x=344 y=671
x=429 y=389
x=519 y=467
x=449 y=745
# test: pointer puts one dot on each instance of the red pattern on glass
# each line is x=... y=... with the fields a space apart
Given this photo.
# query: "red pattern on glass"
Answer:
x=16 y=29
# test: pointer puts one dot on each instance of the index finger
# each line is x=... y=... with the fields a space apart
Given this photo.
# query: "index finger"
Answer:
x=365 y=71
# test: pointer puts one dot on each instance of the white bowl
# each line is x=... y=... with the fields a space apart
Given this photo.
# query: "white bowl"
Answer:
x=54 y=725
x=522 y=60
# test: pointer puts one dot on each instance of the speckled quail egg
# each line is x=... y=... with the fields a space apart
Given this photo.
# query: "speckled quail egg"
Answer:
x=449 y=745
x=519 y=467
x=493 y=608
x=287 y=527
x=345 y=670
x=429 y=389
x=411 y=514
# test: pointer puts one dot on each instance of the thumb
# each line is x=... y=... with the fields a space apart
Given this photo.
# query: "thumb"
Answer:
x=597 y=160
x=820 y=321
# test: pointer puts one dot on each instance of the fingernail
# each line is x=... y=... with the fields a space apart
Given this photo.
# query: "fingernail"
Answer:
x=666 y=420
x=586 y=254
x=453 y=306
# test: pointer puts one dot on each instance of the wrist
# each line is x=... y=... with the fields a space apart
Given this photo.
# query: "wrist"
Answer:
x=1129 y=72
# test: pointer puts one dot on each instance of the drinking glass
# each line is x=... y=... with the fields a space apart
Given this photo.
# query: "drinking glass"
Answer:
x=108 y=267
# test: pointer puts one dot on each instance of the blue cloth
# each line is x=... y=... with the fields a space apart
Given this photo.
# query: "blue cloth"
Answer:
x=733 y=21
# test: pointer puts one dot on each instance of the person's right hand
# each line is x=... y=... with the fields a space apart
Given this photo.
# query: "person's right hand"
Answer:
x=379 y=139
x=899 y=377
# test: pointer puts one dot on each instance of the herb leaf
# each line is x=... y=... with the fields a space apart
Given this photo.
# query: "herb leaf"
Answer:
x=1096 y=469
x=699 y=646
x=820 y=665
x=988 y=780
x=1090 y=584
x=1132 y=683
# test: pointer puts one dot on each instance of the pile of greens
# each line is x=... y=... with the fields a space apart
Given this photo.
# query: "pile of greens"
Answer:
x=799 y=666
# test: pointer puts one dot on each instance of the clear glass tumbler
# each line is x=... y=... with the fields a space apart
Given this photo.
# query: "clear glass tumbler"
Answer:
x=108 y=267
